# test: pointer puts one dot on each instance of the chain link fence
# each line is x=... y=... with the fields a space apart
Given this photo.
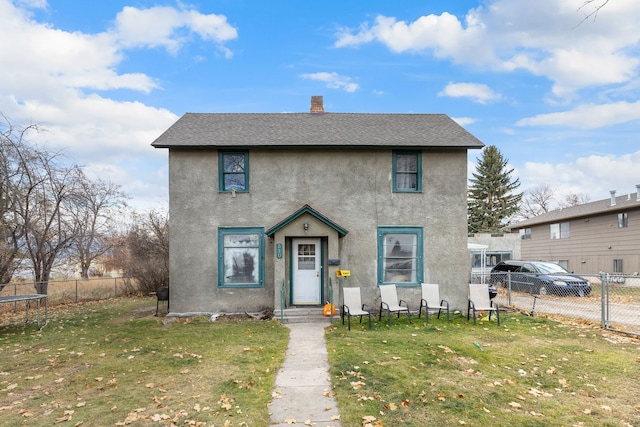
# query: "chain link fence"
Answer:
x=70 y=291
x=611 y=300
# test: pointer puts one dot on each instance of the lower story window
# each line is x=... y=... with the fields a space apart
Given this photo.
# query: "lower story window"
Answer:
x=400 y=255
x=617 y=266
x=491 y=259
x=241 y=257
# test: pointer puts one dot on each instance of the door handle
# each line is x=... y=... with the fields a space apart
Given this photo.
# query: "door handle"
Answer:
x=317 y=274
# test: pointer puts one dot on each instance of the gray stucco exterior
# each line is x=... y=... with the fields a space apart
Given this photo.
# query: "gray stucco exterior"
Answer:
x=340 y=184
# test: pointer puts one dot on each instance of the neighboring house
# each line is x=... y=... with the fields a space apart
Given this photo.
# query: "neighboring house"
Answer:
x=488 y=249
x=265 y=208
x=602 y=236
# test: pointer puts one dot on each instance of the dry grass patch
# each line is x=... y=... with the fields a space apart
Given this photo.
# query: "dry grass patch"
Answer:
x=113 y=363
x=529 y=371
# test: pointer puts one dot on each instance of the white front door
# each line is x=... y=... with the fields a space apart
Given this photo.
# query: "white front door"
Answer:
x=306 y=271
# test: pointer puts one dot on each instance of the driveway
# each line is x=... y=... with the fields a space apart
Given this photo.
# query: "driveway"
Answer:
x=621 y=315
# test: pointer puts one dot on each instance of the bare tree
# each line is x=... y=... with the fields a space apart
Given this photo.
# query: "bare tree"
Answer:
x=11 y=178
x=574 y=199
x=95 y=207
x=44 y=207
x=592 y=7
x=49 y=210
x=145 y=256
x=536 y=201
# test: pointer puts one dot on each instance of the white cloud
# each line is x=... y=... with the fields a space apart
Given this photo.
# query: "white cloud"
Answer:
x=464 y=121
x=588 y=116
x=593 y=175
x=333 y=80
x=545 y=39
x=477 y=92
x=160 y=25
x=51 y=77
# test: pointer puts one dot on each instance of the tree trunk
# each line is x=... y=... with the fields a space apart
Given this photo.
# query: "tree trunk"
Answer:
x=42 y=287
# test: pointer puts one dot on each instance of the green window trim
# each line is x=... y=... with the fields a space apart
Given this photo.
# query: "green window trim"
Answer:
x=407 y=171
x=241 y=257
x=233 y=171
x=400 y=256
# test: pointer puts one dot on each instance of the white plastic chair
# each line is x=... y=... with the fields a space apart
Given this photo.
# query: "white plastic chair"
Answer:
x=389 y=302
x=431 y=301
x=479 y=301
x=353 y=306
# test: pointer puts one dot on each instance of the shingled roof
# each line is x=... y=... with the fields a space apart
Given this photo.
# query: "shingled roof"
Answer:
x=622 y=203
x=296 y=130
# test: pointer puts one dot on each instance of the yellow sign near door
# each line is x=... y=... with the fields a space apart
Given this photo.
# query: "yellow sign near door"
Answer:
x=343 y=273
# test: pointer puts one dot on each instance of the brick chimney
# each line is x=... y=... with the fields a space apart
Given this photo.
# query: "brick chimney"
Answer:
x=316 y=105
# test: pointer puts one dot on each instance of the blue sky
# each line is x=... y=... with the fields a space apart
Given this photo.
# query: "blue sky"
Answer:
x=559 y=96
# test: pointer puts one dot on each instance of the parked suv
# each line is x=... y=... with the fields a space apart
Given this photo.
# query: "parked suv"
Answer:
x=539 y=277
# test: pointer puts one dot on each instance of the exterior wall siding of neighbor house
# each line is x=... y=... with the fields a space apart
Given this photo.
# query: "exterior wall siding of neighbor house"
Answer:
x=350 y=186
x=595 y=241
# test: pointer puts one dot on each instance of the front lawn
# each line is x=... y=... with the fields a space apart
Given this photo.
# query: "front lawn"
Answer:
x=113 y=363
x=529 y=371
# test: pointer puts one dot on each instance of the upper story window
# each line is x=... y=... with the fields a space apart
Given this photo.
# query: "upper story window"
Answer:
x=560 y=230
x=400 y=255
x=407 y=171
x=623 y=220
x=525 y=233
x=241 y=257
x=233 y=169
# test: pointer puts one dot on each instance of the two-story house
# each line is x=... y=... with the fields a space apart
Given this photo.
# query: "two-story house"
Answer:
x=601 y=236
x=264 y=208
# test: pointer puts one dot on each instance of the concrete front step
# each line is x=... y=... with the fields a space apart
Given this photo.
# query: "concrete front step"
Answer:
x=303 y=315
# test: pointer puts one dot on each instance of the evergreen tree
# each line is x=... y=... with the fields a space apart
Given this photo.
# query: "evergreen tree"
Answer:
x=491 y=197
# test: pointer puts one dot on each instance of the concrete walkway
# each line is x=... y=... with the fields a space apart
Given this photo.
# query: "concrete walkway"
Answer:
x=303 y=390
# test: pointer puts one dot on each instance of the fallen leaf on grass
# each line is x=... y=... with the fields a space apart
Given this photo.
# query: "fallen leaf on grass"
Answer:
x=159 y=417
x=515 y=405
x=539 y=393
x=446 y=349
x=225 y=402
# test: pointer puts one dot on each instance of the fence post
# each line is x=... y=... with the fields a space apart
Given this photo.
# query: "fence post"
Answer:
x=115 y=287
x=509 y=287
x=76 y=291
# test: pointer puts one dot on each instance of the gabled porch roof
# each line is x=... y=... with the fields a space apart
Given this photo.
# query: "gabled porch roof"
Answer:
x=306 y=209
